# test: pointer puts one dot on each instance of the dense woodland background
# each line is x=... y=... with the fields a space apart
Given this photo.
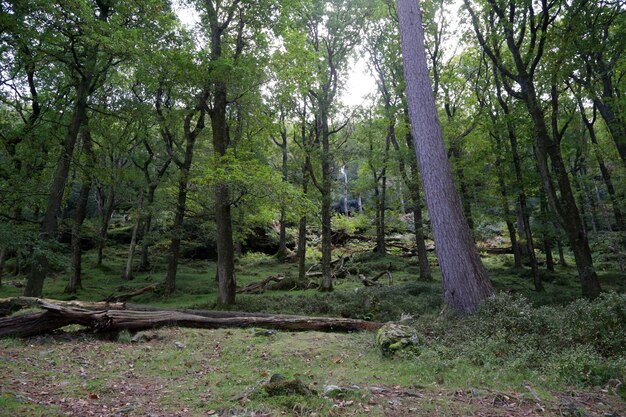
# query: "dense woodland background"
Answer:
x=214 y=164
x=229 y=135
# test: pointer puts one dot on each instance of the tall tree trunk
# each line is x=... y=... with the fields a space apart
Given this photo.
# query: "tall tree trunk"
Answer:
x=505 y=201
x=616 y=127
x=79 y=217
x=282 y=233
x=302 y=229
x=527 y=249
x=181 y=206
x=225 y=246
x=144 y=264
x=547 y=239
x=3 y=258
x=606 y=175
x=326 y=191
x=564 y=204
x=344 y=172
x=128 y=271
x=465 y=281
x=559 y=246
x=107 y=212
x=39 y=267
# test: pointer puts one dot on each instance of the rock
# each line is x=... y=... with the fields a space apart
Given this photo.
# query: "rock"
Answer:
x=279 y=385
x=264 y=332
x=333 y=390
x=393 y=338
x=180 y=345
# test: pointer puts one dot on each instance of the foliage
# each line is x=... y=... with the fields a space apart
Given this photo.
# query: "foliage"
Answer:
x=581 y=343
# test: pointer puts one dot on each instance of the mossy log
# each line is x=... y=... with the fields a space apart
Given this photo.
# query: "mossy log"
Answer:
x=56 y=316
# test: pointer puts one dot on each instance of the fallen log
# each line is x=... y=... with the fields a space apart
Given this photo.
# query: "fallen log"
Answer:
x=57 y=316
x=370 y=282
x=9 y=306
x=120 y=298
x=257 y=287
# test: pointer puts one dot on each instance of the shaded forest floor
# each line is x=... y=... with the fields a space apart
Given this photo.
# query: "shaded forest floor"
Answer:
x=183 y=372
x=542 y=356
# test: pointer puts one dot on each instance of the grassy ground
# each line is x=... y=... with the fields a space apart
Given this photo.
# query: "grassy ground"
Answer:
x=545 y=356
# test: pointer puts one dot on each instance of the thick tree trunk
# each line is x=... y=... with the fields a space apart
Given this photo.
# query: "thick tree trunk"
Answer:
x=225 y=246
x=128 y=271
x=79 y=217
x=465 y=281
x=107 y=211
x=463 y=188
x=57 y=316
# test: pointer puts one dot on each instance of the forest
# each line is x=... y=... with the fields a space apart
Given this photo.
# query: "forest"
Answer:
x=207 y=209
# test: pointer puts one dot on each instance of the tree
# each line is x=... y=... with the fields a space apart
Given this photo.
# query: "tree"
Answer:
x=82 y=63
x=332 y=30
x=465 y=281
x=525 y=32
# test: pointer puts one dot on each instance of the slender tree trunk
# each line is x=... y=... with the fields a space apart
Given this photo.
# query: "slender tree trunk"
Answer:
x=326 y=212
x=302 y=230
x=3 y=258
x=616 y=127
x=420 y=240
x=79 y=217
x=344 y=171
x=465 y=281
x=547 y=248
x=564 y=204
x=559 y=246
x=547 y=240
x=282 y=234
x=128 y=271
x=179 y=217
x=505 y=201
x=144 y=264
x=107 y=212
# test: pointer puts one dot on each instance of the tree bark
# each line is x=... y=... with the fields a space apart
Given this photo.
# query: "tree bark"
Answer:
x=128 y=271
x=79 y=217
x=559 y=246
x=39 y=268
x=465 y=281
x=3 y=258
x=57 y=316
x=107 y=211
x=606 y=175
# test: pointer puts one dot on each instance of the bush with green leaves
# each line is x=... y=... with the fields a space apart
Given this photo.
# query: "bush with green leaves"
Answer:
x=581 y=343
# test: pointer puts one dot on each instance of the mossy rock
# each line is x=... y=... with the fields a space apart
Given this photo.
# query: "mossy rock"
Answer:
x=279 y=385
x=393 y=338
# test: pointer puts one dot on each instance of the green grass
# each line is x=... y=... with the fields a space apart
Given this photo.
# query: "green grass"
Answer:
x=546 y=342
